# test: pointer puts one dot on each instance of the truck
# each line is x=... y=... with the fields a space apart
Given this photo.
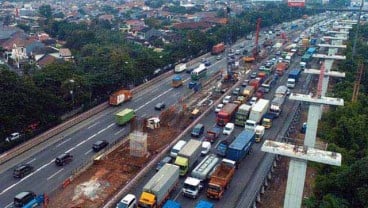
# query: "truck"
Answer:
x=217 y=49
x=220 y=179
x=188 y=156
x=177 y=81
x=260 y=130
x=180 y=68
x=157 y=190
x=293 y=78
x=119 y=97
x=226 y=114
x=276 y=105
x=124 y=116
x=267 y=120
x=241 y=146
x=302 y=65
x=255 y=83
x=204 y=204
x=193 y=185
x=213 y=134
x=40 y=200
x=171 y=204
x=280 y=68
x=281 y=91
x=248 y=91
x=269 y=83
x=242 y=114
x=221 y=148
x=259 y=110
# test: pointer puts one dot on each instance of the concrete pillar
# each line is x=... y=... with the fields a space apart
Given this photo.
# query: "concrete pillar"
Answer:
x=262 y=190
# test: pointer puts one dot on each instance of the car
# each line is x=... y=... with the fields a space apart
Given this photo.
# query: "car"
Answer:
x=206 y=147
x=63 y=159
x=219 y=107
x=198 y=130
x=22 y=170
x=203 y=60
x=207 y=63
x=99 y=145
x=189 y=70
x=23 y=198
x=278 y=53
x=261 y=68
x=160 y=106
x=253 y=75
x=162 y=162
x=236 y=91
x=245 y=83
x=14 y=136
x=237 y=52
x=219 y=57
x=228 y=129
x=226 y=99
x=253 y=100
x=129 y=201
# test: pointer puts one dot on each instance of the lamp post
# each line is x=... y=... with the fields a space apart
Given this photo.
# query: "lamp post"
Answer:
x=71 y=91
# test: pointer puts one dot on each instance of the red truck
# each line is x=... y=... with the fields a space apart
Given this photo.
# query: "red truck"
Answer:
x=213 y=134
x=217 y=49
x=120 y=96
x=255 y=83
x=280 y=68
x=226 y=113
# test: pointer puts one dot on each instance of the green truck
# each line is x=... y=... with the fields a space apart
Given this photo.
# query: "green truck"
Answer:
x=124 y=116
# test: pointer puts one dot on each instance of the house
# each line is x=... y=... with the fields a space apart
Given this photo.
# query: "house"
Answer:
x=106 y=17
x=65 y=54
x=45 y=60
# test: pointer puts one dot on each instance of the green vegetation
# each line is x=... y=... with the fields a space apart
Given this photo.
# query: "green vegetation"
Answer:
x=345 y=130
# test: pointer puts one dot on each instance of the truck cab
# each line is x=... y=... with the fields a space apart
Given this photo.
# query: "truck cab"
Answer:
x=250 y=125
x=192 y=187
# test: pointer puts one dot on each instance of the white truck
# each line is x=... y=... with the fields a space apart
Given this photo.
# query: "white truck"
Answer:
x=256 y=114
x=180 y=68
x=276 y=105
x=260 y=130
x=193 y=185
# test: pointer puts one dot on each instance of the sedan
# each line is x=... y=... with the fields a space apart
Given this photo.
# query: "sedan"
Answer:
x=160 y=106
x=253 y=75
x=219 y=107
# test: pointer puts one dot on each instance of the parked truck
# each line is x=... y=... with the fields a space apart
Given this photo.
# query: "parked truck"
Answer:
x=124 y=116
x=217 y=49
x=158 y=188
x=213 y=134
x=242 y=114
x=180 y=68
x=188 y=156
x=220 y=179
x=293 y=78
x=241 y=146
x=177 y=81
x=193 y=185
x=119 y=97
x=226 y=114
x=280 y=68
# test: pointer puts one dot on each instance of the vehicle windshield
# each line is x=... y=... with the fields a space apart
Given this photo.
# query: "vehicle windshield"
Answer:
x=221 y=116
x=122 y=205
x=227 y=128
x=190 y=187
x=214 y=188
x=143 y=205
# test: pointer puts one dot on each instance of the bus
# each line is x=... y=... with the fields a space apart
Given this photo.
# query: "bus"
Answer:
x=199 y=72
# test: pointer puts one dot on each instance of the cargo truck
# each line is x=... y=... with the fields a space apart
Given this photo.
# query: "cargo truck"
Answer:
x=188 y=156
x=241 y=146
x=269 y=83
x=119 y=97
x=255 y=83
x=226 y=114
x=221 y=148
x=213 y=134
x=260 y=130
x=204 y=204
x=248 y=92
x=217 y=49
x=193 y=185
x=293 y=78
x=267 y=120
x=180 y=68
x=242 y=114
x=124 y=116
x=157 y=190
x=276 y=105
x=259 y=110
x=220 y=179
x=280 y=68
x=177 y=81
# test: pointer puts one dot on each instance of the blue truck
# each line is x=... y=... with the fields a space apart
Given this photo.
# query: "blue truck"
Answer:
x=241 y=146
x=171 y=204
x=293 y=78
x=204 y=204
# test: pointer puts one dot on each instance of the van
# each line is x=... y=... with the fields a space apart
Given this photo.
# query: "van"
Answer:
x=22 y=170
x=206 y=147
x=197 y=130
x=23 y=198
x=129 y=201
x=63 y=159
x=177 y=147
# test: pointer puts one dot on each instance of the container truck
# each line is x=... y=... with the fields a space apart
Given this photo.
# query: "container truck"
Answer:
x=259 y=110
x=220 y=179
x=242 y=114
x=157 y=190
x=124 y=116
x=276 y=105
x=213 y=134
x=260 y=130
x=188 y=156
x=177 y=81
x=293 y=78
x=204 y=204
x=217 y=49
x=241 y=146
x=226 y=113
x=119 y=97
x=193 y=185
x=171 y=204
x=280 y=68
x=180 y=68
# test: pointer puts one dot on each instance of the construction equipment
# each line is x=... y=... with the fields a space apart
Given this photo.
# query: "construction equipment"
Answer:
x=256 y=48
x=153 y=123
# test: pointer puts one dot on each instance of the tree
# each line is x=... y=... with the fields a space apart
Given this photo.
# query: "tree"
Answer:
x=45 y=11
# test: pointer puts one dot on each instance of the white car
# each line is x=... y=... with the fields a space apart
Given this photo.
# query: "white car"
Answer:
x=206 y=147
x=228 y=129
x=226 y=99
x=14 y=136
x=219 y=107
x=253 y=100
x=129 y=201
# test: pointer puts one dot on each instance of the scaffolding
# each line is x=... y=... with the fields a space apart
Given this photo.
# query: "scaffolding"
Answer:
x=138 y=144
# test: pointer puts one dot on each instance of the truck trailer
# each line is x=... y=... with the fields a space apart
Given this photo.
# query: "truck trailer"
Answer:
x=220 y=179
x=241 y=146
x=119 y=97
x=158 y=188
x=124 y=116
x=217 y=49
x=293 y=78
x=226 y=114
x=188 y=156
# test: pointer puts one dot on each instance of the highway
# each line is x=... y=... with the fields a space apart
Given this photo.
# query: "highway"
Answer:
x=78 y=141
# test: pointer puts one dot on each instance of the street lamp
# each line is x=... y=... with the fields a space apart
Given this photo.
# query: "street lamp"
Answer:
x=71 y=91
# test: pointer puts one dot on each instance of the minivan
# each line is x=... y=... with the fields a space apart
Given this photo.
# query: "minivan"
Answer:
x=129 y=201
x=22 y=170
x=23 y=198
x=63 y=159
x=177 y=147
x=198 y=130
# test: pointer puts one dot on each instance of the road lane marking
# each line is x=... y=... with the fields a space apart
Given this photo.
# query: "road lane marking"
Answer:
x=63 y=142
x=53 y=175
x=142 y=106
x=89 y=151
x=31 y=160
x=118 y=132
x=93 y=125
x=9 y=205
x=177 y=195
